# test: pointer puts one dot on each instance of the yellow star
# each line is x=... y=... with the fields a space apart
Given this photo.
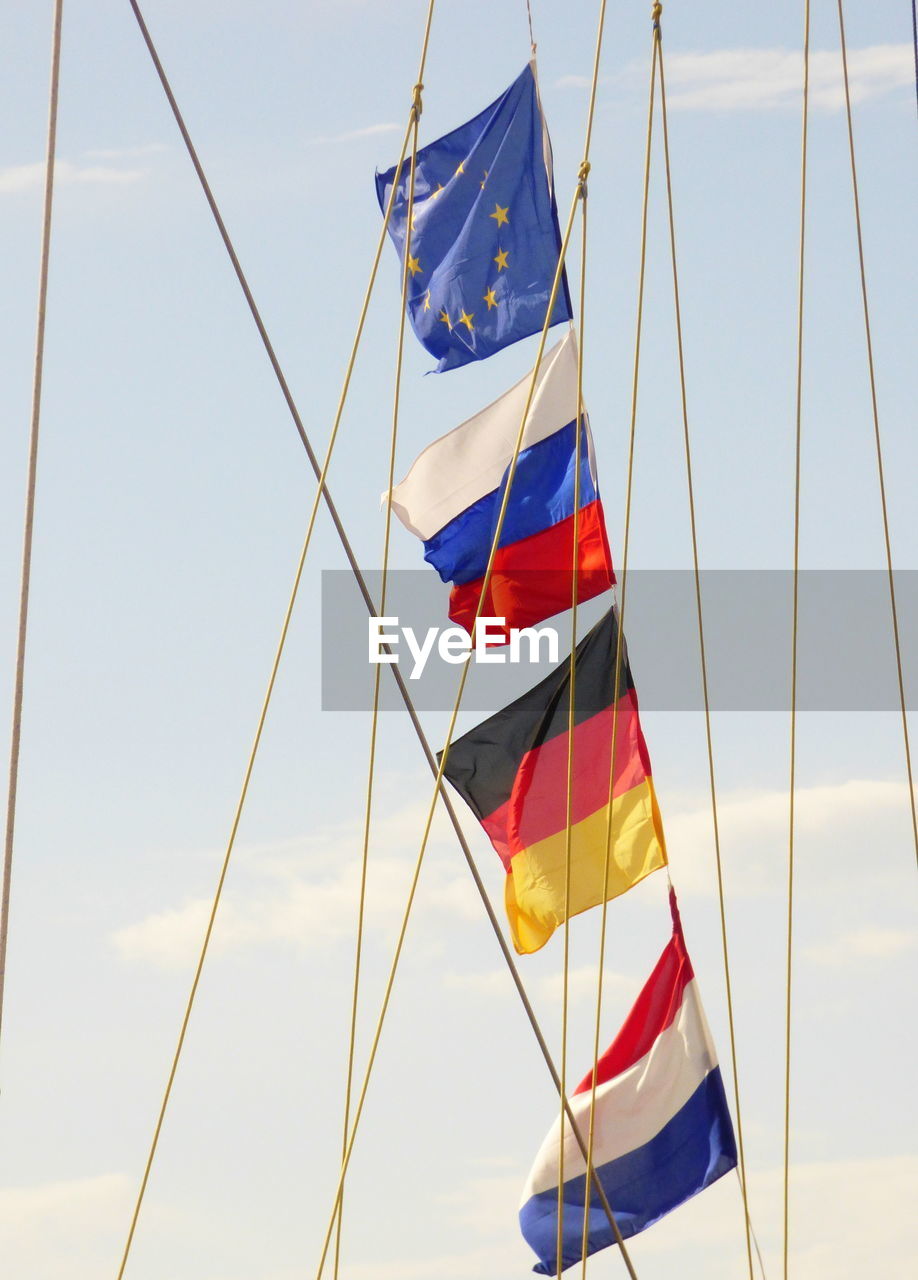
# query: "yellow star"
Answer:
x=461 y=169
x=427 y=301
x=413 y=265
x=434 y=194
x=500 y=214
x=444 y=319
x=466 y=319
x=484 y=179
x=490 y=299
x=501 y=259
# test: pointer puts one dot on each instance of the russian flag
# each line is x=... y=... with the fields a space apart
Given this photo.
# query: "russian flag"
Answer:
x=452 y=495
x=662 y=1129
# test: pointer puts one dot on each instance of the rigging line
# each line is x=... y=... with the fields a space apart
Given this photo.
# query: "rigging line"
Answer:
x=371 y=611
x=915 y=46
x=578 y=195
x=452 y=723
x=591 y=108
x=237 y=817
x=374 y=722
x=876 y=427
x=320 y=474
x=619 y=640
x=31 y=482
x=704 y=666
x=571 y=707
x=367 y=598
x=532 y=41
x=794 y=627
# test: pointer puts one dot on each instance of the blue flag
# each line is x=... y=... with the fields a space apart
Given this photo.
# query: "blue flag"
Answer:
x=485 y=241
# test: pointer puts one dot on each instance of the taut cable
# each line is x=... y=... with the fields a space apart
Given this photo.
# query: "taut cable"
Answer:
x=374 y=719
x=876 y=430
x=619 y=639
x=444 y=756
x=321 y=475
x=25 y=580
x=704 y=668
x=367 y=598
x=794 y=627
x=571 y=723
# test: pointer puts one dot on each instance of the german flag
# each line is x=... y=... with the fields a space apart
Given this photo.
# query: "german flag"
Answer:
x=512 y=771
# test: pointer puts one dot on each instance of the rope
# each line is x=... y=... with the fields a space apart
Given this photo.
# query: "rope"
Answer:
x=915 y=46
x=704 y=666
x=619 y=642
x=532 y=41
x=578 y=195
x=367 y=598
x=364 y=591
x=31 y=480
x=321 y=475
x=794 y=627
x=571 y=708
x=374 y=721
x=876 y=432
x=445 y=753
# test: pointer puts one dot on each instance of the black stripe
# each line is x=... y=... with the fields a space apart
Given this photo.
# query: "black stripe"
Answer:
x=483 y=763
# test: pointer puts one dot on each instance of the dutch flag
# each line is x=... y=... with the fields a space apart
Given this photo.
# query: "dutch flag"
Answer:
x=662 y=1130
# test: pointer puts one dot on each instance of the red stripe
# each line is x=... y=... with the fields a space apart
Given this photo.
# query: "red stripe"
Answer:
x=653 y=1011
x=531 y=579
x=537 y=807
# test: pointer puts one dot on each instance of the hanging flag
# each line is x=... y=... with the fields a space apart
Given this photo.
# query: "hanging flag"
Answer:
x=452 y=495
x=662 y=1129
x=512 y=771
x=485 y=241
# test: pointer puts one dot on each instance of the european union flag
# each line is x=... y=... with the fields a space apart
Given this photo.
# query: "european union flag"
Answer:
x=485 y=240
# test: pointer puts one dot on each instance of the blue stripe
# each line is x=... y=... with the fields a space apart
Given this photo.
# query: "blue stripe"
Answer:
x=542 y=495
x=693 y=1150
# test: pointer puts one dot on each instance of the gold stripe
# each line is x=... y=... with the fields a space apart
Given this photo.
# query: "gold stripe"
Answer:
x=534 y=890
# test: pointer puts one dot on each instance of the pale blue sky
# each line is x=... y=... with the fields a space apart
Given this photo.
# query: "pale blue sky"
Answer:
x=173 y=495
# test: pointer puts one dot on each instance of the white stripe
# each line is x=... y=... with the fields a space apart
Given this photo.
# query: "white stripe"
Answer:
x=470 y=460
x=633 y=1107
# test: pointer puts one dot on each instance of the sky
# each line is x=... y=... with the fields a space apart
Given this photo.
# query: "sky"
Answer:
x=172 y=501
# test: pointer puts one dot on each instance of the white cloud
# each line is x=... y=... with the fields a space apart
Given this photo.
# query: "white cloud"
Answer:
x=25 y=177
x=57 y=1229
x=126 y=153
x=766 y=79
x=756 y=823
x=304 y=893
x=581 y=984
x=771 y=79
x=833 y=1204
x=353 y=135
x=863 y=944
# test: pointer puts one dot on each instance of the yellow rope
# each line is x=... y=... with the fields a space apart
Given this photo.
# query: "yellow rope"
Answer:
x=31 y=480
x=361 y=583
x=452 y=724
x=532 y=41
x=578 y=195
x=285 y=625
x=374 y=721
x=876 y=432
x=704 y=667
x=571 y=719
x=794 y=625
x=619 y=642
x=585 y=169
